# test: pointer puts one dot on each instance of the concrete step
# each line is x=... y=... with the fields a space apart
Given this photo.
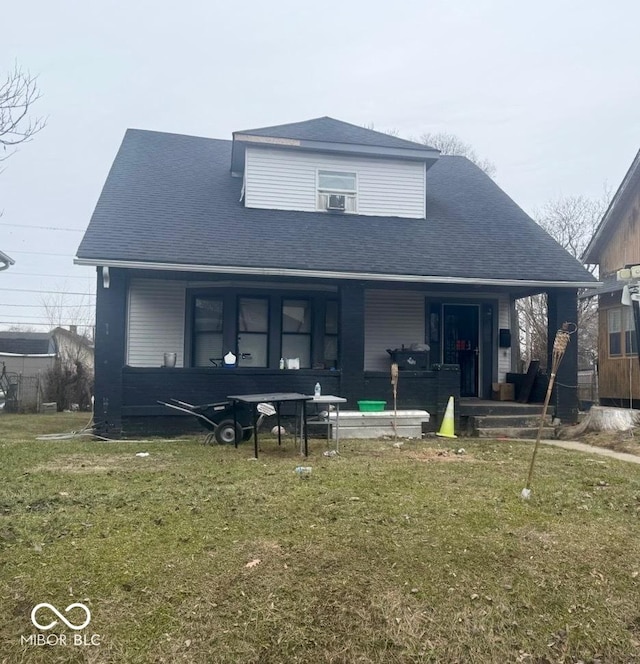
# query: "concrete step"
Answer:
x=517 y=421
x=514 y=432
x=499 y=408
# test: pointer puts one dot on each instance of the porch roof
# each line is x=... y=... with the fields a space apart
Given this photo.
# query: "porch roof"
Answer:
x=170 y=202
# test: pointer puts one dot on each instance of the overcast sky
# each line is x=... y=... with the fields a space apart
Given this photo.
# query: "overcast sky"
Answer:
x=548 y=92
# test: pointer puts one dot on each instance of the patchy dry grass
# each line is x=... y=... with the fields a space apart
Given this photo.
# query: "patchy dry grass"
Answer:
x=195 y=554
x=620 y=441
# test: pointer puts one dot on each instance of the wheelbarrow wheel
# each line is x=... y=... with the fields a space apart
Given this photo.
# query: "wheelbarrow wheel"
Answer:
x=227 y=434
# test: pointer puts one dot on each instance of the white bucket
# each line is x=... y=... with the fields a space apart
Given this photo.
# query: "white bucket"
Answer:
x=170 y=359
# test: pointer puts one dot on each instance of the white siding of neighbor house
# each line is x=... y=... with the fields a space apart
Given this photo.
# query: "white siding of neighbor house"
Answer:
x=504 y=322
x=286 y=180
x=155 y=322
x=392 y=318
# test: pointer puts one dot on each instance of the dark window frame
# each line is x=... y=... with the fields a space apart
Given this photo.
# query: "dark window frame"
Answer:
x=309 y=334
x=267 y=334
x=195 y=333
x=331 y=335
x=231 y=296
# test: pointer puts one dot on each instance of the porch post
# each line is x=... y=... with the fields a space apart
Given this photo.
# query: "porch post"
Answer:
x=563 y=306
x=109 y=350
x=352 y=341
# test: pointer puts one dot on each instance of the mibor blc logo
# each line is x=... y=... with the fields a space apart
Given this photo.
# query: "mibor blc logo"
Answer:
x=53 y=609
x=45 y=612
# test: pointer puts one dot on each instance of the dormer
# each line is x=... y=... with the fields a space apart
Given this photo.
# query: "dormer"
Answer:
x=328 y=166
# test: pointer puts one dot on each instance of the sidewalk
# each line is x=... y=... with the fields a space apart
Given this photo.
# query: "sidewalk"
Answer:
x=591 y=449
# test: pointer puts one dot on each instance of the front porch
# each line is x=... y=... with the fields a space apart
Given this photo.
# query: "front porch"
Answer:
x=340 y=331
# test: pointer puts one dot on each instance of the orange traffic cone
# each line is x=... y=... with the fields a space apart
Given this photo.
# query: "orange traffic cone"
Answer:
x=447 y=426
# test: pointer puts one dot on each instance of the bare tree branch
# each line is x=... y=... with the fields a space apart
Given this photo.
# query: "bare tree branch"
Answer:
x=389 y=132
x=18 y=93
x=450 y=144
x=62 y=309
x=571 y=221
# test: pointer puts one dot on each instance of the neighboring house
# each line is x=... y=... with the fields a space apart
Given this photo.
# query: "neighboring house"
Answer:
x=27 y=353
x=320 y=241
x=26 y=359
x=5 y=261
x=73 y=347
x=615 y=244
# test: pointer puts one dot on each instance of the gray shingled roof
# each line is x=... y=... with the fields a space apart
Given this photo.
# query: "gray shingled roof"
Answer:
x=170 y=199
x=329 y=130
x=26 y=343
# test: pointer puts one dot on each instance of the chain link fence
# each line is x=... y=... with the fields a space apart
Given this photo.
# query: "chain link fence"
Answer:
x=22 y=394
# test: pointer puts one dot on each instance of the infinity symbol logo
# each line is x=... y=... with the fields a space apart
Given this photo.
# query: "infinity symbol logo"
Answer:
x=64 y=620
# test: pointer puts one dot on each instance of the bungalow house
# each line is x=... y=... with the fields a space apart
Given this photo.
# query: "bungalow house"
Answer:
x=320 y=242
x=615 y=244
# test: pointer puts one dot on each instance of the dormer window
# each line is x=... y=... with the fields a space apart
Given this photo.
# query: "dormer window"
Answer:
x=337 y=191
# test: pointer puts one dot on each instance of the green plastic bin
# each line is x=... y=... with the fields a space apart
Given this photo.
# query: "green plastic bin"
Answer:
x=371 y=406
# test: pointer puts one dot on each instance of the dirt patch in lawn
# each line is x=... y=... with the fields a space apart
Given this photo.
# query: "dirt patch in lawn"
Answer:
x=102 y=463
x=435 y=454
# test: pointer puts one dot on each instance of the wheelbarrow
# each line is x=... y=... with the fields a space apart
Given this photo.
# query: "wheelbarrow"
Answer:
x=218 y=419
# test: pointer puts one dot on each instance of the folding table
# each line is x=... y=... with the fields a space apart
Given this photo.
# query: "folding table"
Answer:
x=276 y=398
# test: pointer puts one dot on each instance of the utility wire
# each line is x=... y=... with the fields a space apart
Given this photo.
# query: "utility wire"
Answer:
x=46 y=228
x=48 y=292
x=29 y=322
x=37 y=253
x=42 y=306
x=42 y=317
x=59 y=276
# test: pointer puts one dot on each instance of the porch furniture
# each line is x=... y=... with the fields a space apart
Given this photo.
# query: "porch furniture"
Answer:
x=331 y=400
x=277 y=398
x=412 y=360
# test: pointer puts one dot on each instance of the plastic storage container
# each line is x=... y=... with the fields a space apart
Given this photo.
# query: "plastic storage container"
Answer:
x=371 y=406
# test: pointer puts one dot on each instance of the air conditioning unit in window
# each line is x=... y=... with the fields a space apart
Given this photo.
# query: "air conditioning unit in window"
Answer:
x=337 y=202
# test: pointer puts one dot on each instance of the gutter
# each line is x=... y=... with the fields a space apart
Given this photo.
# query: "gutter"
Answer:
x=27 y=354
x=331 y=274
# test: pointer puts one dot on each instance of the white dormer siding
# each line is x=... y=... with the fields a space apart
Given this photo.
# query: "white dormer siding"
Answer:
x=287 y=180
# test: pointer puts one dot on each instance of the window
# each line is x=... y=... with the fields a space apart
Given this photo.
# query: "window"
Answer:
x=337 y=183
x=296 y=331
x=614 y=318
x=260 y=329
x=331 y=335
x=207 y=327
x=630 y=343
x=622 y=332
x=253 y=332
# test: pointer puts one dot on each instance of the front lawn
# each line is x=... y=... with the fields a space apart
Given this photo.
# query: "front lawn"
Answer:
x=198 y=554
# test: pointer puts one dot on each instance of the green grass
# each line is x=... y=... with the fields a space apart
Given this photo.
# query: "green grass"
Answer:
x=384 y=555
